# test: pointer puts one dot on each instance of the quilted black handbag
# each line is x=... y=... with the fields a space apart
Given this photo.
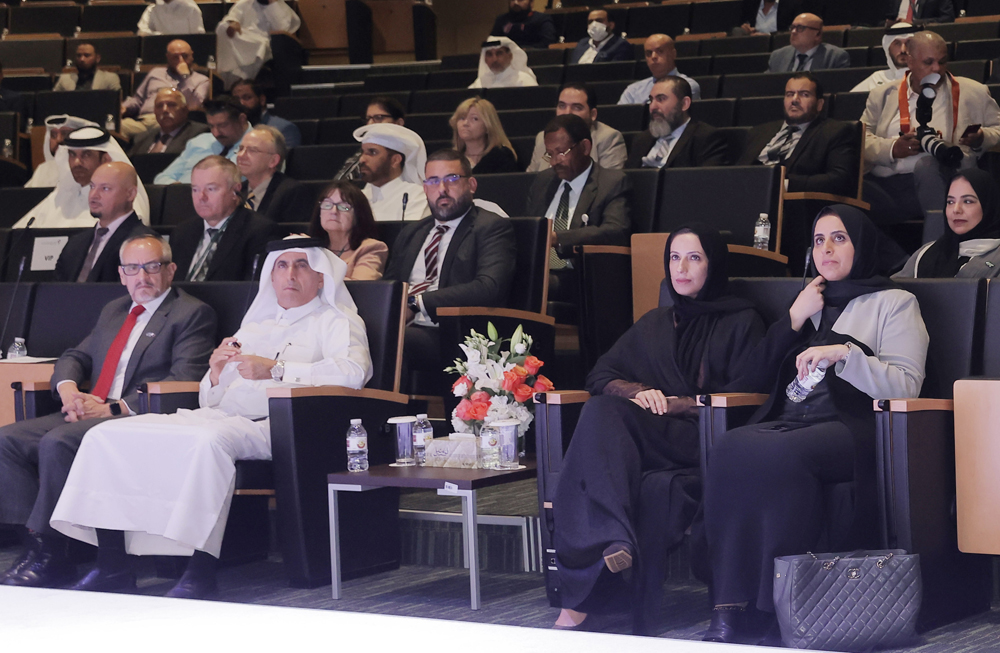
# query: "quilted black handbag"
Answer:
x=847 y=601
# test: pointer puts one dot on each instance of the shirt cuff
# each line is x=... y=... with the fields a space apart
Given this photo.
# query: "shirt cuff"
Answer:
x=128 y=409
x=298 y=373
x=420 y=304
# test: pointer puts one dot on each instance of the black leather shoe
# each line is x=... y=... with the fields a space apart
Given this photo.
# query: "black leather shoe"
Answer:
x=46 y=570
x=98 y=580
x=726 y=623
x=20 y=564
x=193 y=587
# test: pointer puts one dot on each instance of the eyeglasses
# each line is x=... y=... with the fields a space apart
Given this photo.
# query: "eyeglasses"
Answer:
x=378 y=117
x=558 y=155
x=329 y=205
x=448 y=180
x=802 y=28
x=132 y=269
x=252 y=150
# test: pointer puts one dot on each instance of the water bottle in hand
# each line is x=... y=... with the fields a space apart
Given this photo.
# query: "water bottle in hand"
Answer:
x=17 y=349
x=799 y=390
x=357 y=447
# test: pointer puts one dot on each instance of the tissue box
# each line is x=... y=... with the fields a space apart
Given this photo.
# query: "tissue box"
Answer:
x=456 y=450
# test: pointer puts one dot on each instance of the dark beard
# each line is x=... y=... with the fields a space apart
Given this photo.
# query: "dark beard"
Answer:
x=461 y=205
x=253 y=115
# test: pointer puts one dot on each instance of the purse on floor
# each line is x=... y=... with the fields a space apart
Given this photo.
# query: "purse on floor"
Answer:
x=847 y=601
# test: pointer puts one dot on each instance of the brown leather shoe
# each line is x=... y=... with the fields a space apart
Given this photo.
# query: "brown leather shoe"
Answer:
x=618 y=557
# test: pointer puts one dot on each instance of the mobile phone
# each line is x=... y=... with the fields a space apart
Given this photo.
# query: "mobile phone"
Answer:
x=970 y=130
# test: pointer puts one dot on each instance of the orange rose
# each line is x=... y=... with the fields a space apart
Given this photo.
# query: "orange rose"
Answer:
x=532 y=364
x=542 y=384
x=462 y=410
x=511 y=380
x=462 y=379
x=479 y=410
x=480 y=397
x=520 y=371
x=523 y=392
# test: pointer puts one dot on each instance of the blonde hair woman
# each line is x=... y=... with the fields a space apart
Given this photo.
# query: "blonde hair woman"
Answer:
x=479 y=136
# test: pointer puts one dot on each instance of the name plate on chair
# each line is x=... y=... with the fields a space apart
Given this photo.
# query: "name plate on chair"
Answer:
x=46 y=251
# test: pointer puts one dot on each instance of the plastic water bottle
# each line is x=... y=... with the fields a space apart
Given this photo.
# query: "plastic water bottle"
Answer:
x=8 y=148
x=138 y=65
x=357 y=447
x=799 y=390
x=69 y=63
x=3 y=36
x=423 y=433
x=762 y=232
x=17 y=349
x=109 y=123
x=28 y=125
x=211 y=62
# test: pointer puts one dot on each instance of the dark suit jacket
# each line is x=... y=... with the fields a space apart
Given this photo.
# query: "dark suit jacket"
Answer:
x=604 y=199
x=616 y=49
x=478 y=267
x=927 y=11
x=787 y=11
x=700 y=145
x=286 y=200
x=245 y=237
x=106 y=266
x=536 y=30
x=826 y=56
x=175 y=345
x=143 y=141
x=825 y=159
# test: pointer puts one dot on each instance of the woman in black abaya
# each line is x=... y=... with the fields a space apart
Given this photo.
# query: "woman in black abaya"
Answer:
x=642 y=419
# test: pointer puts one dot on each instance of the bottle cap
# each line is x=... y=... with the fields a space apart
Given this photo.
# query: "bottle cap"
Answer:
x=355 y=422
x=21 y=340
x=422 y=416
x=763 y=216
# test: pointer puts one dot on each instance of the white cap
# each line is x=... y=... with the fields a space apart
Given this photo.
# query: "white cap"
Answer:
x=400 y=139
x=421 y=415
x=355 y=421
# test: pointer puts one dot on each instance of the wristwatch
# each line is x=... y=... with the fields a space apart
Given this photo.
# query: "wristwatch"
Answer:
x=412 y=304
x=115 y=408
x=278 y=371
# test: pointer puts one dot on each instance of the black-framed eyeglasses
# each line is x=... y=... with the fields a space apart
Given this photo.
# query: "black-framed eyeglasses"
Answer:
x=802 y=28
x=378 y=117
x=448 y=180
x=132 y=269
x=558 y=155
x=329 y=205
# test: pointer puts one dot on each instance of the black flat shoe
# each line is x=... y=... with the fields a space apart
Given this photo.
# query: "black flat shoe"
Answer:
x=192 y=587
x=98 y=580
x=45 y=570
x=19 y=565
x=727 y=621
x=618 y=557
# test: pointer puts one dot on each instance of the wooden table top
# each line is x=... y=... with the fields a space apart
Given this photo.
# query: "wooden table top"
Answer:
x=433 y=477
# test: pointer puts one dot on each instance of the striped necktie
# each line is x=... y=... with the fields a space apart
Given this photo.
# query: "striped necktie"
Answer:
x=561 y=223
x=779 y=152
x=430 y=261
x=88 y=263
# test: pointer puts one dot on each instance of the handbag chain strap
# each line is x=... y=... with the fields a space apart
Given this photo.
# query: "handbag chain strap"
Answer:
x=829 y=564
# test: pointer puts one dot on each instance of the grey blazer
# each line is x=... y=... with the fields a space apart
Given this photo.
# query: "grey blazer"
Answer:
x=174 y=346
x=103 y=81
x=985 y=266
x=608 y=149
x=826 y=56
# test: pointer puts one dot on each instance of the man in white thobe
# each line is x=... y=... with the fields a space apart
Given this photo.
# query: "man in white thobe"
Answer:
x=166 y=481
x=244 y=40
x=894 y=44
x=68 y=205
x=392 y=167
x=503 y=64
x=172 y=17
x=57 y=128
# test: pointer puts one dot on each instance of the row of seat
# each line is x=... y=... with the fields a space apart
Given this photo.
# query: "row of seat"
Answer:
x=67 y=18
x=51 y=53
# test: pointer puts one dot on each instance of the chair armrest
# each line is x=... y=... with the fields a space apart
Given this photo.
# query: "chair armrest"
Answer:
x=722 y=412
x=494 y=311
x=336 y=391
x=913 y=405
x=562 y=397
x=34 y=386
x=556 y=415
x=166 y=397
x=732 y=399
x=829 y=197
x=33 y=399
x=171 y=387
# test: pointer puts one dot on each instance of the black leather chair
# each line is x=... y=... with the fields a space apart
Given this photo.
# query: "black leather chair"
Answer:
x=47 y=335
x=720 y=16
x=441 y=101
x=318 y=161
x=645 y=198
x=737 y=45
x=300 y=108
x=695 y=65
x=309 y=129
x=608 y=92
x=599 y=72
x=39 y=52
x=669 y=19
x=114 y=50
x=356 y=104
x=717 y=112
x=155 y=194
x=44 y=17
x=112 y=17
x=982 y=8
x=451 y=79
x=15 y=301
x=336 y=131
x=710 y=85
x=395 y=82
x=547 y=57
x=509 y=189
x=841 y=80
x=848 y=106
x=430 y=126
x=731 y=64
x=954 y=32
x=754 y=85
x=543 y=96
x=177 y=205
x=22 y=248
x=147 y=166
x=981 y=49
x=753 y=111
x=623 y=117
x=90 y=105
x=736 y=140
x=15 y=202
x=460 y=61
x=525 y=122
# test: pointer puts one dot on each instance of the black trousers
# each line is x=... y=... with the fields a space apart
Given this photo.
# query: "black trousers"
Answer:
x=423 y=371
x=35 y=458
x=764 y=497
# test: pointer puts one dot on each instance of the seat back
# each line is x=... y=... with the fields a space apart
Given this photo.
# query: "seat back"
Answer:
x=154 y=48
x=719 y=16
x=381 y=305
x=40 y=52
x=44 y=17
x=49 y=332
x=441 y=101
x=177 y=205
x=15 y=202
x=355 y=104
x=155 y=194
x=318 y=161
x=737 y=45
x=89 y=105
x=645 y=198
x=115 y=50
x=525 y=97
x=449 y=79
x=39 y=248
x=530 y=290
x=299 y=108
x=718 y=112
x=991 y=345
x=395 y=82
x=112 y=17
x=623 y=117
x=147 y=166
x=230 y=299
x=508 y=189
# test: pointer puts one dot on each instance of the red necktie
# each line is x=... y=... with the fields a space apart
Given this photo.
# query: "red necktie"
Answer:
x=115 y=353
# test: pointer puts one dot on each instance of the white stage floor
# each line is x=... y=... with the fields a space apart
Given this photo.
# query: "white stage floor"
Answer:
x=52 y=619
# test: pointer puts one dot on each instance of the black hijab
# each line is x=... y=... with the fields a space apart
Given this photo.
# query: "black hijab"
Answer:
x=864 y=277
x=696 y=316
x=941 y=259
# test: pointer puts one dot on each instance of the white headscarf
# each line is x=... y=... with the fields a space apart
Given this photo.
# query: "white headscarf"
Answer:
x=400 y=139
x=68 y=205
x=519 y=64
x=898 y=32
x=47 y=174
x=334 y=292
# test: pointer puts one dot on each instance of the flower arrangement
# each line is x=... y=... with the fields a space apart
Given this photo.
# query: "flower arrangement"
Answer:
x=496 y=383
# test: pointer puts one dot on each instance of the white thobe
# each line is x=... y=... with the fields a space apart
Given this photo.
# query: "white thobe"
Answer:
x=242 y=56
x=387 y=200
x=69 y=207
x=46 y=175
x=509 y=78
x=175 y=17
x=167 y=480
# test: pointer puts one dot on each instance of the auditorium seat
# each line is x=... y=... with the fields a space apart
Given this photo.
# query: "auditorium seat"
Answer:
x=982 y=7
x=524 y=147
x=45 y=52
x=336 y=131
x=213 y=12
x=709 y=85
x=718 y=112
x=608 y=92
x=754 y=85
x=572 y=24
x=693 y=66
x=527 y=97
x=22 y=242
x=599 y=72
x=859 y=56
x=19 y=307
x=976 y=70
x=155 y=194
x=15 y=202
x=727 y=64
x=645 y=200
x=147 y=166
x=299 y=108
x=90 y=105
x=177 y=205
x=509 y=190
x=395 y=82
x=546 y=57
x=430 y=126
x=309 y=129
x=318 y=161
x=980 y=49
x=10 y=123
x=114 y=50
x=952 y=32
x=737 y=45
x=831 y=36
x=44 y=17
x=450 y=79
x=29 y=83
x=844 y=79
x=753 y=111
x=736 y=139
x=103 y=16
x=460 y=61
x=548 y=75
x=623 y=117
x=848 y=106
x=870 y=36
x=668 y=19
x=525 y=122
x=716 y=16
x=440 y=101
x=356 y=104
x=154 y=48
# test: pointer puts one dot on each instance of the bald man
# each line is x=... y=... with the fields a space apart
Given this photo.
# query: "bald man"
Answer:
x=173 y=129
x=178 y=73
x=903 y=181
x=807 y=50
x=660 y=59
x=92 y=255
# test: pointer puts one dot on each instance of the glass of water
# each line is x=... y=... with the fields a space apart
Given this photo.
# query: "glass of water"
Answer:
x=508 y=443
x=404 y=440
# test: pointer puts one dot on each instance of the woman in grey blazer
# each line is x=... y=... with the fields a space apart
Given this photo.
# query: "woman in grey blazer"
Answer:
x=970 y=245
x=766 y=486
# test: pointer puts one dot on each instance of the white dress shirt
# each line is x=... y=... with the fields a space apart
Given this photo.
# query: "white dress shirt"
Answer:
x=670 y=140
x=419 y=271
x=768 y=22
x=575 y=188
x=941 y=121
x=387 y=200
x=593 y=49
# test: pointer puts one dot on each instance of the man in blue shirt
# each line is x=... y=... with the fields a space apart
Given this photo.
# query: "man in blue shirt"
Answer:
x=660 y=59
x=228 y=121
x=253 y=96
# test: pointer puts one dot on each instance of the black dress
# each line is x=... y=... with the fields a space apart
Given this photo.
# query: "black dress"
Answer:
x=499 y=159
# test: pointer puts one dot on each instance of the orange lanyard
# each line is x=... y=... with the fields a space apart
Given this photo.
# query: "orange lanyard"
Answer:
x=904 y=104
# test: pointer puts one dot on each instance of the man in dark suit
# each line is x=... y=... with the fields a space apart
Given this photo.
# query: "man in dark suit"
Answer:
x=673 y=139
x=460 y=255
x=93 y=255
x=525 y=26
x=176 y=338
x=589 y=205
x=266 y=190
x=919 y=12
x=602 y=43
x=173 y=129
x=806 y=50
x=224 y=242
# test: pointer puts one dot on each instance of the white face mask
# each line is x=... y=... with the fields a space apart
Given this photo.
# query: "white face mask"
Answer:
x=597 y=31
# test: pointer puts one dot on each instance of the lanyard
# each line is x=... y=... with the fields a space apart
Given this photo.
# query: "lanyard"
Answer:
x=904 y=104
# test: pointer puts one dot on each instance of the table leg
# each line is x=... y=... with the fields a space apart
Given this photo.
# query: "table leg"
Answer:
x=471 y=537
x=334 y=542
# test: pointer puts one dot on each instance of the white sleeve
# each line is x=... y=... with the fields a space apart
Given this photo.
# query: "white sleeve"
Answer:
x=144 y=21
x=281 y=18
x=346 y=361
